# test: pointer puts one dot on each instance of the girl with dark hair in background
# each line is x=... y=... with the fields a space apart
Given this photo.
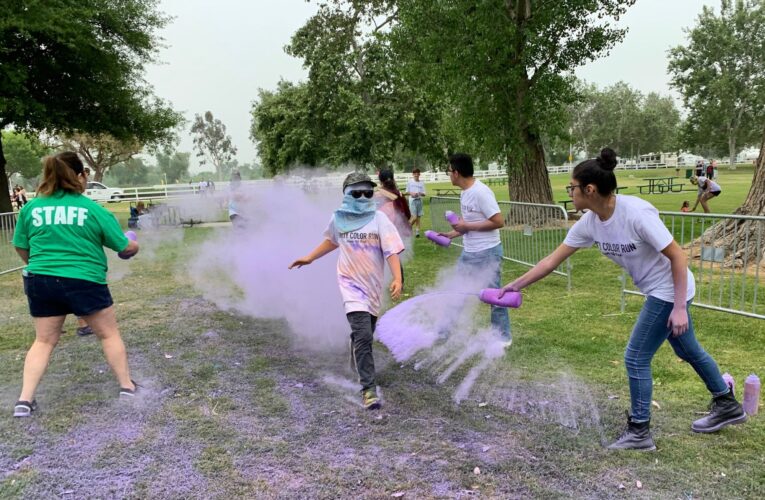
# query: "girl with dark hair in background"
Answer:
x=60 y=235
x=392 y=203
x=628 y=230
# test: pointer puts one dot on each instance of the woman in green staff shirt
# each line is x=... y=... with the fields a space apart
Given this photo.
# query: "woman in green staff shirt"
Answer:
x=60 y=235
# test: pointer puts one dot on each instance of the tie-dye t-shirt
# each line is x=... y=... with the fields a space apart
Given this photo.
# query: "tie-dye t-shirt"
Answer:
x=361 y=264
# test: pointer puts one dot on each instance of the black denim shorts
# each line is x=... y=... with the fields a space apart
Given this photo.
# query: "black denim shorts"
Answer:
x=57 y=296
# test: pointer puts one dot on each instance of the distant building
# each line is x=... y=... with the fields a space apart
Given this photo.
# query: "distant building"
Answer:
x=659 y=159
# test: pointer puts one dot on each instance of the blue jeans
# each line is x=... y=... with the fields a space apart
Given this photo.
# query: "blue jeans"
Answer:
x=477 y=262
x=648 y=334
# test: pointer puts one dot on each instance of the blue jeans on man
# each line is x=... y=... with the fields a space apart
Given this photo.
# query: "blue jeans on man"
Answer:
x=491 y=258
x=648 y=334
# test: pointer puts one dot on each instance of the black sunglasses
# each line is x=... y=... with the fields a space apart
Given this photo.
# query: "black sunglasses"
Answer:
x=367 y=193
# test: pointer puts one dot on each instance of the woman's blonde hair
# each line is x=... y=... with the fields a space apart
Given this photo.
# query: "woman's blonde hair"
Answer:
x=60 y=173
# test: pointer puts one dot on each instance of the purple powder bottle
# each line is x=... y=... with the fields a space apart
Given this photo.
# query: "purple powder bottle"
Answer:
x=751 y=394
x=451 y=217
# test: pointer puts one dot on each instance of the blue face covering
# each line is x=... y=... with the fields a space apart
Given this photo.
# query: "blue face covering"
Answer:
x=354 y=213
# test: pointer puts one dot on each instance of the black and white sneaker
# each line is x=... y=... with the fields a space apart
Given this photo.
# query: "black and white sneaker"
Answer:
x=129 y=393
x=24 y=408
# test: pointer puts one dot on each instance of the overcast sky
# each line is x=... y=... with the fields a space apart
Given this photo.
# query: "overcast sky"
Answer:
x=219 y=53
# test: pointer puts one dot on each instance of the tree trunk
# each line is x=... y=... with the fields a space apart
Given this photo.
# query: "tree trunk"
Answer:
x=732 y=150
x=527 y=172
x=5 y=196
x=734 y=234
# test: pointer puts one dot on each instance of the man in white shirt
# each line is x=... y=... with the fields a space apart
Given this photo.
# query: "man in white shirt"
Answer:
x=479 y=225
x=416 y=190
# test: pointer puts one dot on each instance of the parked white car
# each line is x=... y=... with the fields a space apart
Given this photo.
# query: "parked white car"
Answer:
x=98 y=192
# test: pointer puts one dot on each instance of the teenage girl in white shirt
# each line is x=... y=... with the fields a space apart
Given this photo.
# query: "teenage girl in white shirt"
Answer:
x=628 y=231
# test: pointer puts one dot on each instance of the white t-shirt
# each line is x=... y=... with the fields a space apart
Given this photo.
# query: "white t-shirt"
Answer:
x=478 y=204
x=415 y=187
x=361 y=263
x=714 y=187
x=633 y=237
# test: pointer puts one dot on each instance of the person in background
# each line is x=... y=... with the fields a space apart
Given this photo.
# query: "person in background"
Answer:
x=392 y=203
x=60 y=236
x=629 y=231
x=234 y=200
x=416 y=190
x=686 y=207
x=708 y=189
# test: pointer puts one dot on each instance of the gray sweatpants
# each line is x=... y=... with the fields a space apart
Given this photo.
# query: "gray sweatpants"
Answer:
x=362 y=329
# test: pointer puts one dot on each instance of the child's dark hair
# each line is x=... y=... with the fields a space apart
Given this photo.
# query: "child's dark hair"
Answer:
x=598 y=171
x=386 y=179
x=462 y=163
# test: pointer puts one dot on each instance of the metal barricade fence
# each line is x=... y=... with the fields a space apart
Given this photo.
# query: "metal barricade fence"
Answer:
x=725 y=254
x=532 y=231
x=9 y=259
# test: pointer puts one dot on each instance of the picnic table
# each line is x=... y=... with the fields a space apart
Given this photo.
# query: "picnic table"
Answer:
x=565 y=204
x=491 y=181
x=660 y=185
x=447 y=191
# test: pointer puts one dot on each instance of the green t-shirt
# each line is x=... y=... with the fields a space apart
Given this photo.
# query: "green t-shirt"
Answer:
x=65 y=234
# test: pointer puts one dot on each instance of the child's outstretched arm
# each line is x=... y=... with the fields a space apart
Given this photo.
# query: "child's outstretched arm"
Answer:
x=320 y=251
x=395 y=268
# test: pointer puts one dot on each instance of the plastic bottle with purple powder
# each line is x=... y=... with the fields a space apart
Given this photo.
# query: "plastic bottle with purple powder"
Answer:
x=752 y=394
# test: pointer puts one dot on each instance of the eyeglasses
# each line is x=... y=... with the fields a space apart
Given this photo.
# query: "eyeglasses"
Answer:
x=366 y=193
x=570 y=189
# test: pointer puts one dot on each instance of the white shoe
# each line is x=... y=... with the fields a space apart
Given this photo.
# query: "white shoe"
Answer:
x=507 y=343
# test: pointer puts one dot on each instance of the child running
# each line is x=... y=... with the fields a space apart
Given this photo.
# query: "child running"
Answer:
x=366 y=238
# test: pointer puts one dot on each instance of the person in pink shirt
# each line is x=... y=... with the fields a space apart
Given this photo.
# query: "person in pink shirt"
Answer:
x=366 y=239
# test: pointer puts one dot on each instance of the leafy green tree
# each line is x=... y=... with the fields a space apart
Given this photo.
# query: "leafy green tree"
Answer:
x=212 y=143
x=76 y=66
x=100 y=152
x=356 y=95
x=623 y=118
x=285 y=130
x=24 y=153
x=658 y=124
x=721 y=75
x=502 y=67
x=133 y=172
x=174 y=167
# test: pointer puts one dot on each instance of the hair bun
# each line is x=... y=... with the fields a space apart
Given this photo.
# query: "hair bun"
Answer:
x=607 y=159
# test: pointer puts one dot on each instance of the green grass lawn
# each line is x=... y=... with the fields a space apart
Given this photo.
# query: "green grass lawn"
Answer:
x=233 y=409
x=734 y=183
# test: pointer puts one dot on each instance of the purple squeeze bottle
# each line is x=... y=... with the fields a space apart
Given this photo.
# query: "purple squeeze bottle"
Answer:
x=751 y=394
x=131 y=236
x=451 y=217
x=510 y=299
x=437 y=238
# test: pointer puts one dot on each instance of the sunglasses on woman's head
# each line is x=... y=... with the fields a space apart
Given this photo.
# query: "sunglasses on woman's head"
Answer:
x=367 y=193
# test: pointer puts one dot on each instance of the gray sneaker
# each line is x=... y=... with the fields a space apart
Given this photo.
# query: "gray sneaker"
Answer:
x=724 y=411
x=24 y=408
